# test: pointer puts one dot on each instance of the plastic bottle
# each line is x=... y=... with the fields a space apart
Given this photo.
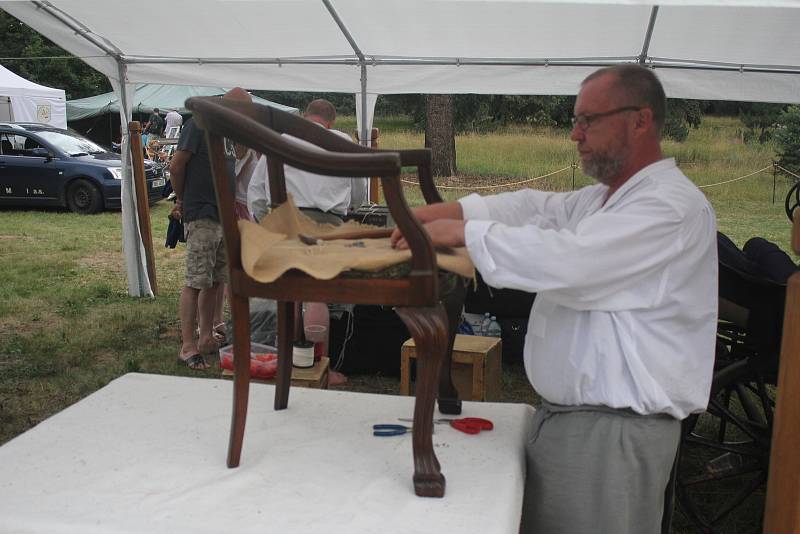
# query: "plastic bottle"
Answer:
x=487 y=320
x=494 y=329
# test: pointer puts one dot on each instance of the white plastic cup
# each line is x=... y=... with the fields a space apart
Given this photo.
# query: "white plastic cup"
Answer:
x=319 y=335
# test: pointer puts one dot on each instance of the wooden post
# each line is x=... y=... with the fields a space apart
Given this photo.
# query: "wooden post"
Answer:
x=374 y=182
x=142 y=200
x=782 y=510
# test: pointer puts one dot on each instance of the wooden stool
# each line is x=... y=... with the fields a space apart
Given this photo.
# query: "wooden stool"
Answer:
x=314 y=377
x=476 y=369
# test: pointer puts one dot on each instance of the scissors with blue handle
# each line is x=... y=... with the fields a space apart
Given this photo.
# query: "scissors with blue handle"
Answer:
x=390 y=430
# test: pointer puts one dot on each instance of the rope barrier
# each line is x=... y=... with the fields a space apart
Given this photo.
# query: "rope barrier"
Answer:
x=499 y=186
x=493 y=186
x=787 y=171
x=735 y=179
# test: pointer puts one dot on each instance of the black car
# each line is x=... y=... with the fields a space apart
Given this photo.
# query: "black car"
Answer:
x=45 y=166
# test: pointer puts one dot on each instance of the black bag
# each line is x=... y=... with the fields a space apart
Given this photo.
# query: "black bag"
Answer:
x=374 y=347
x=174 y=233
x=498 y=302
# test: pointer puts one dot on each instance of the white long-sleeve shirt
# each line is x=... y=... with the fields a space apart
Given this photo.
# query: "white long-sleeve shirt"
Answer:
x=626 y=307
x=309 y=190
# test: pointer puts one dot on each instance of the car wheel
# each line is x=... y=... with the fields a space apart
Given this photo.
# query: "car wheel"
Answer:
x=83 y=197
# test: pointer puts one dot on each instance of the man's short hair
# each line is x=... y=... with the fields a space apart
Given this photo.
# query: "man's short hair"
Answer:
x=155 y=110
x=322 y=108
x=639 y=86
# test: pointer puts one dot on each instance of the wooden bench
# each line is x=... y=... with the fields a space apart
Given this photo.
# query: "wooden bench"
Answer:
x=476 y=368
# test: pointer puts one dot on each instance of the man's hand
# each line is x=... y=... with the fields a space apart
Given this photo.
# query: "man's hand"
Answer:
x=430 y=213
x=443 y=233
x=177 y=211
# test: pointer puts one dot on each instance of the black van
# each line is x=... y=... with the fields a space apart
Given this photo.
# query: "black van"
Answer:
x=45 y=166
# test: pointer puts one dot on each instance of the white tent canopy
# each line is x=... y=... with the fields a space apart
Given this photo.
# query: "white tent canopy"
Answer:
x=713 y=49
x=31 y=102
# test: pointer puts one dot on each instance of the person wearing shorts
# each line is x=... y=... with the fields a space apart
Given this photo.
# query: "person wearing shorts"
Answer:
x=206 y=259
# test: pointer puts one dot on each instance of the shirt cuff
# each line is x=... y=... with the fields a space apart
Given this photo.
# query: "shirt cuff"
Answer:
x=475 y=232
x=474 y=207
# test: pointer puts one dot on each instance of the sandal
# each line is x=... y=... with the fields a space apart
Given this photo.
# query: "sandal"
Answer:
x=219 y=332
x=195 y=361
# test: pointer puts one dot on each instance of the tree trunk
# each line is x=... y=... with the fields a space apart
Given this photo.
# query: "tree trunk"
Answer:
x=440 y=135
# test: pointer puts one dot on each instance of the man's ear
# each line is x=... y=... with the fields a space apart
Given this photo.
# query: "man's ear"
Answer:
x=644 y=119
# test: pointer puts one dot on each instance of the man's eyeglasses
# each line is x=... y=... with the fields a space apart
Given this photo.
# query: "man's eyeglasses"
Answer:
x=584 y=121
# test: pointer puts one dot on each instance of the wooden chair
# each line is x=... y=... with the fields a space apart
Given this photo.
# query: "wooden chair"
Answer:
x=415 y=295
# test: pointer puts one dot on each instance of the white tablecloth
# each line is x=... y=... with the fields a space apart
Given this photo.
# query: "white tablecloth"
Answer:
x=146 y=454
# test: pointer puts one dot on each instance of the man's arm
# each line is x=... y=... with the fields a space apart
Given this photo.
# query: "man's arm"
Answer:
x=177 y=175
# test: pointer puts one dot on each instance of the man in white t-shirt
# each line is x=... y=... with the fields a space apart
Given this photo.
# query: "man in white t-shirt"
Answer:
x=323 y=198
x=620 y=341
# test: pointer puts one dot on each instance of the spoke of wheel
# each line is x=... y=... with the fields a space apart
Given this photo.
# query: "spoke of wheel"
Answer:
x=739 y=498
x=750 y=467
x=742 y=448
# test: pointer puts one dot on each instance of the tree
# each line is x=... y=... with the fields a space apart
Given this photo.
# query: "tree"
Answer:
x=70 y=73
x=440 y=134
x=787 y=137
x=681 y=115
x=759 y=118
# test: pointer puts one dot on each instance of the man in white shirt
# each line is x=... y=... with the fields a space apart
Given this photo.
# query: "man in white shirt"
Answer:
x=620 y=341
x=323 y=198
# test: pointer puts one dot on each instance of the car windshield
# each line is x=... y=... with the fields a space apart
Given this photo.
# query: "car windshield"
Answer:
x=71 y=143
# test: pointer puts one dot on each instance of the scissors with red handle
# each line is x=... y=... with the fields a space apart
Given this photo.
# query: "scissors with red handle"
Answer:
x=471 y=425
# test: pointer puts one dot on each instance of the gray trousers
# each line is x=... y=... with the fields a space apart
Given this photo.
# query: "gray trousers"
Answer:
x=595 y=470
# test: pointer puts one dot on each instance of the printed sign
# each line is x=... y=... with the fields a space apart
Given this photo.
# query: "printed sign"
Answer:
x=43 y=112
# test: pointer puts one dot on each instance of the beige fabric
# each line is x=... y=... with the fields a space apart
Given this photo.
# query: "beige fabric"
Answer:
x=272 y=247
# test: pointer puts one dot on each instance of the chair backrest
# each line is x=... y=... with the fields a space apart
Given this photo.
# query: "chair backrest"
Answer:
x=261 y=128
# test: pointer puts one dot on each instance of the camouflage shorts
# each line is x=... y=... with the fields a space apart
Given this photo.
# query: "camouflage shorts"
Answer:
x=206 y=261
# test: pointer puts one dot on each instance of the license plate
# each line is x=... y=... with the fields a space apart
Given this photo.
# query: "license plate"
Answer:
x=158 y=183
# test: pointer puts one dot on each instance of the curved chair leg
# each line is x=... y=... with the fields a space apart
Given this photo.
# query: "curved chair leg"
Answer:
x=240 y=311
x=428 y=326
x=449 y=403
x=283 y=379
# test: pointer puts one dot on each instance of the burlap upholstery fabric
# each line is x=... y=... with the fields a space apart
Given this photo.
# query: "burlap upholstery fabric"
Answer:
x=272 y=247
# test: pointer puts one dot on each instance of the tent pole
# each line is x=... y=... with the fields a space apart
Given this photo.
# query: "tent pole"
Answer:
x=130 y=236
x=365 y=136
x=648 y=35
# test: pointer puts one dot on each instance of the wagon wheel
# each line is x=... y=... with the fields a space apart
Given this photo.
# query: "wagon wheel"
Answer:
x=725 y=451
x=792 y=200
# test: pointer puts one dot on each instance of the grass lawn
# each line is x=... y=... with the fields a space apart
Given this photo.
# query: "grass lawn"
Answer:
x=68 y=327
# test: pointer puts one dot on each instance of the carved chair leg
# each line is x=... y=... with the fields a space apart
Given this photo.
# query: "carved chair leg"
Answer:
x=240 y=311
x=453 y=301
x=283 y=379
x=428 y=326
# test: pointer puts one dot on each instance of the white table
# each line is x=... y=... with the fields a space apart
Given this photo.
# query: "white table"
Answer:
x=146 y=454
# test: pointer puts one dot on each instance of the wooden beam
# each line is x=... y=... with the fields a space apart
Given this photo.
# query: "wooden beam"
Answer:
x=142 y=200
x=782 y=510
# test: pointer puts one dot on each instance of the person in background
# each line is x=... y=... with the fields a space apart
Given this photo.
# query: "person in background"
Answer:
x=324 y=199
x=621 y=336
x=206 y=260
x=173 y=120
x=154 y=127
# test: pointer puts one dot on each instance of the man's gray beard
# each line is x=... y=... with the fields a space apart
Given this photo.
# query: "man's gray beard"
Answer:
x=604 y=167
